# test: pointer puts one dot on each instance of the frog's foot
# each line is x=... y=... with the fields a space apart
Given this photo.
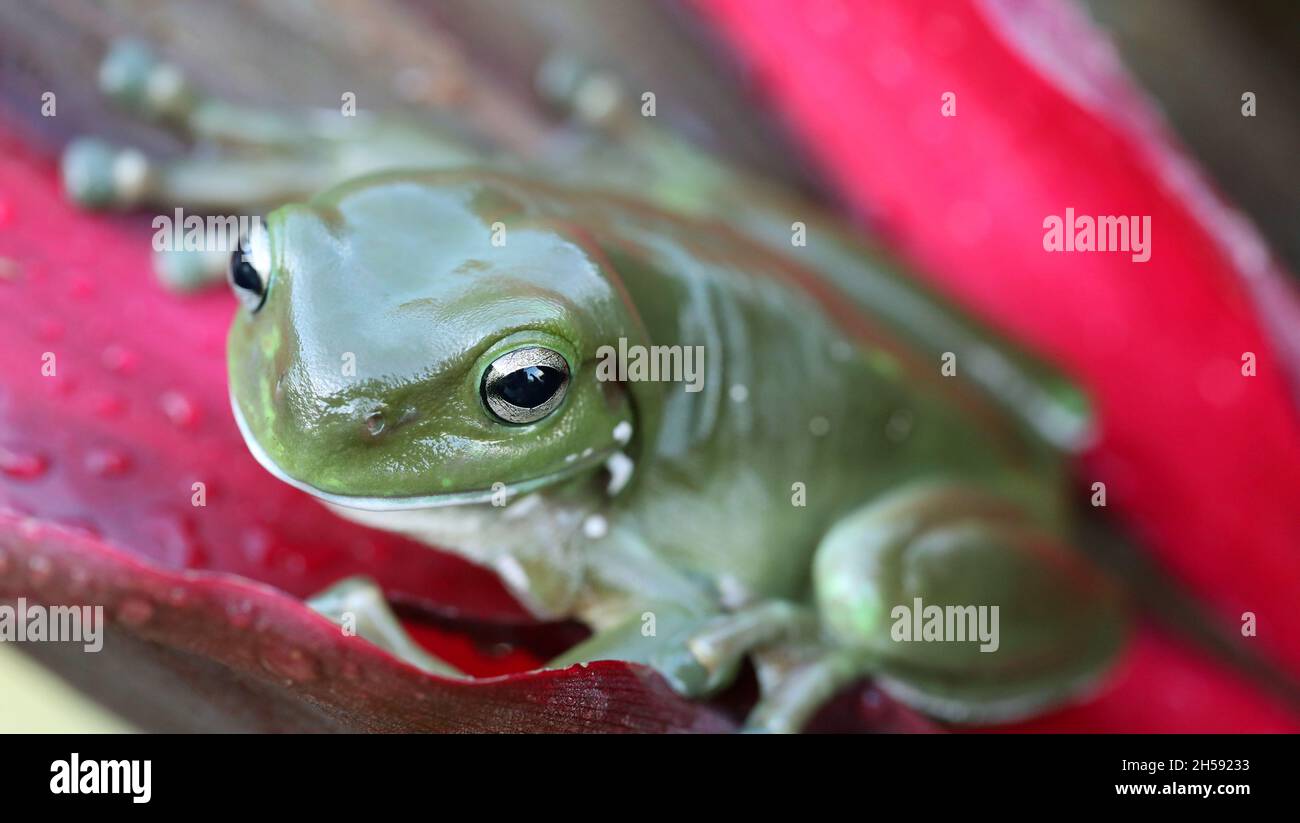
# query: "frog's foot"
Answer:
x=795 y=681
x=133 y=77
x=266 y=157
x=98 y=175
x=697 y=653
x=965 y=606
x=245 y=160
x=657 y=637
x=592 y=96
x=358 y=605
x=136 y=79
x=722 y=643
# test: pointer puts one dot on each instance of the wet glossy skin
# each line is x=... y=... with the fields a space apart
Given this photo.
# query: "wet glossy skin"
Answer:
x=804 y=388
x=420 y=325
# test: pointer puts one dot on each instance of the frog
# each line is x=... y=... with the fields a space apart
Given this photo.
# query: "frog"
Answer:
x=863 y=482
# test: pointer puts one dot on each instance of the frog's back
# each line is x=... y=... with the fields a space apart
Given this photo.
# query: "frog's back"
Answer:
x=818 y=386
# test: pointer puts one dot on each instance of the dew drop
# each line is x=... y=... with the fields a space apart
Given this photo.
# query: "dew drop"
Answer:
x=40 y=568
x=22 y=465
x=30 y=529
x=595 y=527
x=375 y=423
x=179 y=409
x=107 y=462
x=118 y=359
x=365 y=550
x=256 y=545
x=623 y=433
x=240 y=613
x=79 y=579
x=173 y=537
x=294 y=665
x=134 y=612
x=108 y=405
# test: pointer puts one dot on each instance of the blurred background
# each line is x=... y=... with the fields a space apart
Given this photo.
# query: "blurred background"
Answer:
x=476 y=62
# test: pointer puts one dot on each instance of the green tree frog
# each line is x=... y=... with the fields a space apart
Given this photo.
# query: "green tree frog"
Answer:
x=860 y=482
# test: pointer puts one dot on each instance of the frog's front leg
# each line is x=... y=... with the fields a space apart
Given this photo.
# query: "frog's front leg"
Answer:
x=698 y=651
x=657 y=635
x=358 y=605
x=959 y=603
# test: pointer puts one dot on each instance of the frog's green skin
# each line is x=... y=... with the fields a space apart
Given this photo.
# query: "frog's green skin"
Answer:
x=828 y=471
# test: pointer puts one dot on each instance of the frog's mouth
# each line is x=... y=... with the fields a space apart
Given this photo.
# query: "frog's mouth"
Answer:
x=383 y=504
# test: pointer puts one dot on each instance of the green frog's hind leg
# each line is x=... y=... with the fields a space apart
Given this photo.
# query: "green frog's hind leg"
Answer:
x=1010 y=619
x=98 y=175
x=254 y=156
x=959 y=603
x=246 y=159
x=358 y=605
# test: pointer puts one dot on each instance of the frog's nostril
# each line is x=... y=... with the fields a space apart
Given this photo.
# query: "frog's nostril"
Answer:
x=384 y=419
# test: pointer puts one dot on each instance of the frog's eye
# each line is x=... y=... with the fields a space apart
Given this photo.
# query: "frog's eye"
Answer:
x=248 y=272
x=525 y=385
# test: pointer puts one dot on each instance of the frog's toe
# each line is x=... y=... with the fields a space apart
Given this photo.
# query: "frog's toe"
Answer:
x=665 y=649
x=133 y=76
x=97 y=175
x=792 y=694
x=359 y=606
x=684 y=672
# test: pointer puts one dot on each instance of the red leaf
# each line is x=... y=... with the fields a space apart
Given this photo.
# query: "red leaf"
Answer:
x=302 y=663
x=1163 y=687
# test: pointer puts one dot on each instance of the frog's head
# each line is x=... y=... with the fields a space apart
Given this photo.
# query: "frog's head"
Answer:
x=415 y=340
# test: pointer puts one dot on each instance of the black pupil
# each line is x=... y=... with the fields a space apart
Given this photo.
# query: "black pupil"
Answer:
x=530 y=387
x=243 y=275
